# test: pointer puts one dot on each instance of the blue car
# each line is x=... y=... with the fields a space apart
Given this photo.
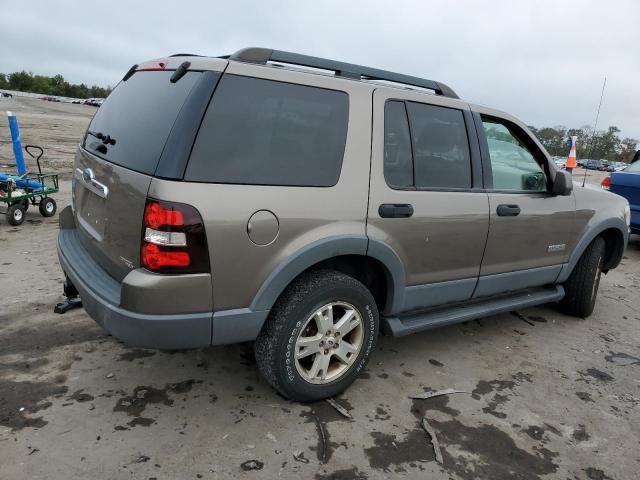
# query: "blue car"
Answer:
x=627 y=184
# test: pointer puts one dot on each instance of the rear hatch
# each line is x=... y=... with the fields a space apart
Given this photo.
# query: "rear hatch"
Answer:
x=123 y=150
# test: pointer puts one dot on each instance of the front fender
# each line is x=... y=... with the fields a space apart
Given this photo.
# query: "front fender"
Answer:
x=590 y=233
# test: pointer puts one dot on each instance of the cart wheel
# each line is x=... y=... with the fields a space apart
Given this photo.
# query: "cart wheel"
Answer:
x=15 y=214
x=47 y=207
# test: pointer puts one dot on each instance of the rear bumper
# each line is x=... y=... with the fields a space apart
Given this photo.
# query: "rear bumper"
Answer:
x=101 y=298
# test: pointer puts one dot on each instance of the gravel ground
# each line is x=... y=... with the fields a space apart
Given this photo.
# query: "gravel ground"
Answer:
x=547 y=396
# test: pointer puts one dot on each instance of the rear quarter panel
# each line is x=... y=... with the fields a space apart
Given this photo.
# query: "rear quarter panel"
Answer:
x=305 y=214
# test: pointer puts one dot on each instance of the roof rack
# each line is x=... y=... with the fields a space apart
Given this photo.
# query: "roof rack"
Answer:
x=348 y=70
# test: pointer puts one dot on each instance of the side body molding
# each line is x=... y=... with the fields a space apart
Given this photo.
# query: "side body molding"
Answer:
x=244 y=324
x=587 y=237
x=395 y=275
x=328 y=248
x=304 y=258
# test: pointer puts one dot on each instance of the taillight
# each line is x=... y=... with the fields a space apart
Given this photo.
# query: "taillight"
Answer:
x=606 y=183
x=173 y=239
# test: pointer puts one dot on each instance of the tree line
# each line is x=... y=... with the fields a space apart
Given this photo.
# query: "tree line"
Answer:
x=597 y=145
x=56 y=85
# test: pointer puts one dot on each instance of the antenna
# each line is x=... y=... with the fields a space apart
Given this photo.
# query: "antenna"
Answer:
x=593 y=132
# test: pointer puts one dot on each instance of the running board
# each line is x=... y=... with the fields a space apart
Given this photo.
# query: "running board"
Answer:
x=416 y=322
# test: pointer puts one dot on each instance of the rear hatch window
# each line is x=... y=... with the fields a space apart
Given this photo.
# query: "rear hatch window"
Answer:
x=138 y=115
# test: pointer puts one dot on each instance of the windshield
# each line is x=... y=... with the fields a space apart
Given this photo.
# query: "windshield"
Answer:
x=132 y=126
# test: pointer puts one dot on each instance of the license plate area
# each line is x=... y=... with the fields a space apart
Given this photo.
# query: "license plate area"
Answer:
x=91 y=212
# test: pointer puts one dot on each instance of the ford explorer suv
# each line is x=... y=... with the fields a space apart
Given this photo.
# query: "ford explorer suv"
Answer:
x=310 y=205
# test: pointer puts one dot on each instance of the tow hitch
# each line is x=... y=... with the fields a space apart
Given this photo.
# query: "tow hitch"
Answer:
x=72 y=298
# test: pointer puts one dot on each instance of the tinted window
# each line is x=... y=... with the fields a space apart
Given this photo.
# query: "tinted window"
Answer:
x=398 y=163
x=440 y=147
x=270 y=133
x=139 y=115
x=513 y=165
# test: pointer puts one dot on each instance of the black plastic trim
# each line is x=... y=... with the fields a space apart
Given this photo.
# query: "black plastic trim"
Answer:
x=487 y=172
x=175 y=155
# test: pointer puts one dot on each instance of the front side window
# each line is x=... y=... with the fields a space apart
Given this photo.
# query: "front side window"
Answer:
x=263 y=132
x=513 y=165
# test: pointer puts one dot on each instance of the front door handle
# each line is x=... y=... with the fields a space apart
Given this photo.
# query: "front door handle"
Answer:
x=395 y=210
x=508 y=210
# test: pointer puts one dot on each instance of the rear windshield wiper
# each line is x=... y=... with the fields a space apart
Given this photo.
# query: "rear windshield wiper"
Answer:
x=180 y=72
x=106 y=139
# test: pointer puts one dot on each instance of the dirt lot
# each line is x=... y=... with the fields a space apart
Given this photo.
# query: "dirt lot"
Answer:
x=56 y=127
x=548 y=396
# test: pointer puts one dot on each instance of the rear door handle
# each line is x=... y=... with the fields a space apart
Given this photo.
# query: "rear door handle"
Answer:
x=395 y=210
x=508 y=210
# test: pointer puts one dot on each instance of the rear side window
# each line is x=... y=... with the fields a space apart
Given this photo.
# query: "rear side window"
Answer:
x=263 y=132
x=426 y=147
x=440 y=147
x=139 y=115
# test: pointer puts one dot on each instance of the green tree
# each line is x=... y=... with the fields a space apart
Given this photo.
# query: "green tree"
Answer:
x=45 y=85
x=628 y=148
x=20 y=81
x=554 y=140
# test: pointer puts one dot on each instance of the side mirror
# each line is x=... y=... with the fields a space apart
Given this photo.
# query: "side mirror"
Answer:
x=563 y=183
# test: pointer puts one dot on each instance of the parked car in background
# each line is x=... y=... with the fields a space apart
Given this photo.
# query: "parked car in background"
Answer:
x=94 y=102
x=593 y=164
x=619 y=166
x=626 y=183
x=606 y=166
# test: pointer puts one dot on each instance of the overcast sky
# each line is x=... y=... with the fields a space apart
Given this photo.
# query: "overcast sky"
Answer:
x=543 y=61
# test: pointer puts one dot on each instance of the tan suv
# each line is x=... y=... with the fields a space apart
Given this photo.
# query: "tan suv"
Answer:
x=307 y=205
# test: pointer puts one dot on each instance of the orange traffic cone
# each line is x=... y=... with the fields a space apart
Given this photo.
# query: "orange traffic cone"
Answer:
x=572 y=161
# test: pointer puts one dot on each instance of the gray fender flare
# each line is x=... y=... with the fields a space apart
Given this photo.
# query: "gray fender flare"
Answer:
x=325 y=249
x=587 y=237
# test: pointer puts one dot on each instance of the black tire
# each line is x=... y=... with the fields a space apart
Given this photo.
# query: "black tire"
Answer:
x=47 y=207
x=581 y=288
x=16 y=214
x=275 y=345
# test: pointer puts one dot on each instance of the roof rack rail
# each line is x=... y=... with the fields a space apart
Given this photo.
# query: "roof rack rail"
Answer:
x=348 y=70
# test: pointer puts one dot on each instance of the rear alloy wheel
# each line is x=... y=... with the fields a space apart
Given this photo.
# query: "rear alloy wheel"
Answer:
x=16 y=214
x=329 y=343
x=318 y=337
x=581 y=288
x=47 y=207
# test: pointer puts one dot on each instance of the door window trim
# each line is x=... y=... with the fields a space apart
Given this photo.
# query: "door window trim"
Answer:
x=487 y=172
x=475 y=156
